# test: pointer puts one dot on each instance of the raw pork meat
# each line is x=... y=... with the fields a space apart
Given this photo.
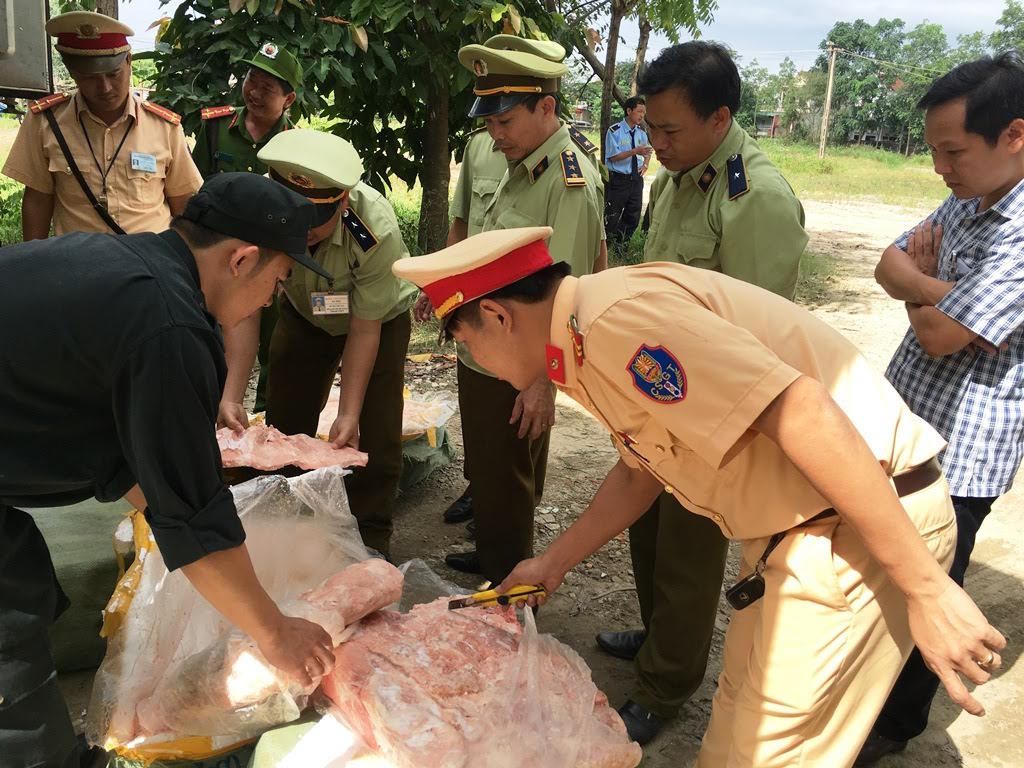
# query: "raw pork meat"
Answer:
x=263 y=447
x=230 y=682
x=435 y=688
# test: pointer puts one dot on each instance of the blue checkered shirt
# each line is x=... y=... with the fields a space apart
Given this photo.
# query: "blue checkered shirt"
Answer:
x=973 y=399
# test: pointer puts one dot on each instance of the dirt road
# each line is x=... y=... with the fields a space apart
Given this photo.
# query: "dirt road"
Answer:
x=598 y=595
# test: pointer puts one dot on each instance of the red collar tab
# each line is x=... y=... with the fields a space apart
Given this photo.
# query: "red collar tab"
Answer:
x=451 y=292
x=556 y=364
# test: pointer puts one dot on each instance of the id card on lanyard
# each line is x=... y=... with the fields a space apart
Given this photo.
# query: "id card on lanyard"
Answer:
x=328 y=303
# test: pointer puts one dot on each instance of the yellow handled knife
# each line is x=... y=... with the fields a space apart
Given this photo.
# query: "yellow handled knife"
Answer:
x=490 y=597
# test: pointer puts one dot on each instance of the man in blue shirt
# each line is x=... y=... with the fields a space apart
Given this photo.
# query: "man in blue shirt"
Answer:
x=961 y=365
x=626 y=154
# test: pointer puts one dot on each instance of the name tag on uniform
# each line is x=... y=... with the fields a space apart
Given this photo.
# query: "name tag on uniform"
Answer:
x=143 y=162
x=327 y=303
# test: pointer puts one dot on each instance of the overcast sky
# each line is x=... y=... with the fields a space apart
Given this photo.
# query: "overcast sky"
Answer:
x=767 y=30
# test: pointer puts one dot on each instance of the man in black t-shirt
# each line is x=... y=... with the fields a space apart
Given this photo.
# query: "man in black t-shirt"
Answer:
x=111 y=372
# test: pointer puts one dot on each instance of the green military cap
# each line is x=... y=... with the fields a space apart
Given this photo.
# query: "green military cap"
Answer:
x=547 y=49
x=509 y=70
x=279 y=63
x=319 y=166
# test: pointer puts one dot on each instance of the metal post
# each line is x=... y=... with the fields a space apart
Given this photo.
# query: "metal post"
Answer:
x=828 y=98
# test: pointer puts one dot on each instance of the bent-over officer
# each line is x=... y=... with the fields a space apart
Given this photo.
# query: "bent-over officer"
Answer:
x=231 y=137
x=359 y=320
x=721 y=205
x=762 y=418
x=111 y=369
x=482 y=168
x=100 y=159
x=505 y=432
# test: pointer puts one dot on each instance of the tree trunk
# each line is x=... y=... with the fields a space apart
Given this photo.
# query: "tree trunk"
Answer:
x=107 y=7
x=641 y=52
x=436 y=173
x=597 y=67
x=617 y=12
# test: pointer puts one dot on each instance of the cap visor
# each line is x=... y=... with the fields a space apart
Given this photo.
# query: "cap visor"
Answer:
x=93 y=65
x=485 y=106
x=309 y=263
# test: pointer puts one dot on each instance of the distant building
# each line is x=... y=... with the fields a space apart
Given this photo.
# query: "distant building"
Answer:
x=582 y=117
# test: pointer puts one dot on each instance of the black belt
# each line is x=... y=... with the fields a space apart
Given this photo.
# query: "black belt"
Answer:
x=750 y=588
x=625 y=175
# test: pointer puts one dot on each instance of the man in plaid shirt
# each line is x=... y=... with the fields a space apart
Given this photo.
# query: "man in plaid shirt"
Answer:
x=961 y=364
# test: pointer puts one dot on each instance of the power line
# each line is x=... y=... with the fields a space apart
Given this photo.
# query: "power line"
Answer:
x=891 y=64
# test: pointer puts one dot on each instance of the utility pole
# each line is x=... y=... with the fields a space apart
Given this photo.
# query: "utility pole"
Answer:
x=828 y=98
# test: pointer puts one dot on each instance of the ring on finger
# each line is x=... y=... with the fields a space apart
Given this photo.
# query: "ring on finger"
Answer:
x=987 y=662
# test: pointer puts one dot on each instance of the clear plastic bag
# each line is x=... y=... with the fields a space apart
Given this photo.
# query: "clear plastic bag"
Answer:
x=298 y=531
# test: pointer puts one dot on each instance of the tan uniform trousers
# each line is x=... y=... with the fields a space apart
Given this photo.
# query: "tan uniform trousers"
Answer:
x=807 y=668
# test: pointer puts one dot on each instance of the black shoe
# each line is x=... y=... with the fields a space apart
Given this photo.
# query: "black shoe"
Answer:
x=641 y=725
x=460 y=510
x=876 y=747
x=471 y=530
x=467 y=562
x=622 y=645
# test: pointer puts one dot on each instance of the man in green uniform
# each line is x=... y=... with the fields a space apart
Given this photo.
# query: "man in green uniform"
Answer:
x=230 y=138
x=720 y=205
x=359 y=320
x=481 y=171
x=505 y=432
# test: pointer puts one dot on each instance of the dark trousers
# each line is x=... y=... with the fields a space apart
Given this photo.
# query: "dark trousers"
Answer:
x=268 y=319
x=905 y=714
x=303 y=362
x=678 y=566
x=505 y=472
x=624 y=197
x=35 y=729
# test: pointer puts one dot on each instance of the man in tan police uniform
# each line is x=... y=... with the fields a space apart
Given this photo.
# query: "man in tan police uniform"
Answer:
x=759 y=416
x=359 y=320
x=482 y=168
x=131 y=153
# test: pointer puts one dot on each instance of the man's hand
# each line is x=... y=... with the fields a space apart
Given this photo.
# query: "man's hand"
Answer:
x=299 y=648
x=536 y=570
x=423 y=310
x=923 y=247
x=534 y=409
x=955 y=639
x=233 y=416
x=345 y=431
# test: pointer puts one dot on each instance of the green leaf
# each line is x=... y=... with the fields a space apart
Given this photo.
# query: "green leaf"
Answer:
x=385 y=57
x=497 y=11
x=251 y=6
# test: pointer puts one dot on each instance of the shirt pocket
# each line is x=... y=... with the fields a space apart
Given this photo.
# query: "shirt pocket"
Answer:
x=145 y=186
x=697 y=250
x=58 y=164
x=510 y=218
x=483 y=191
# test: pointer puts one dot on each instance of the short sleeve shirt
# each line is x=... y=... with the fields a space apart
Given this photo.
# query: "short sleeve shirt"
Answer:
x=757 y=236
x=975 y=400
x=136 y=192
x=235 y=149
x=622 y=138
x=678 y=363
x=482 y=169
x=359 y=253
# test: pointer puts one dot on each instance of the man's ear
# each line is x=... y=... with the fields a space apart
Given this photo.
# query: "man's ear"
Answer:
x=491 y=310
x=243 y=260
x=722 y=118
x=1015 y=135
x=289 y=100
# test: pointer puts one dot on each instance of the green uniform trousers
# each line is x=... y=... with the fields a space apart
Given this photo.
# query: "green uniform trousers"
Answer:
x=505 y=472
x=268 y=319
x=678 y=565
x=303 y=362
x=35 y=729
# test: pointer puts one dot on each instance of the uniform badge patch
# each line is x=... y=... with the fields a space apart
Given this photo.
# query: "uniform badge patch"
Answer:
x=269 y=50
x=706 y=177
x=738 y=184
x=657 y=373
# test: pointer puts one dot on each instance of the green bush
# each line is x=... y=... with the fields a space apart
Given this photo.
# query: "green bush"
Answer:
x=408 y=214
x=10 y=211
x=630 y=252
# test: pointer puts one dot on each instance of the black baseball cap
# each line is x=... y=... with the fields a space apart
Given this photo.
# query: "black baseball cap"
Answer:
x=257 y=210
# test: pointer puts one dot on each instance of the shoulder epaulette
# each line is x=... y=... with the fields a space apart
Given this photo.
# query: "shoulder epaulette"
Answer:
x=738 y=184
x=212 y=113
x=571 y=171
x=39 y=106
x=171 y=117
x=362 y=234
x=615 y=127
x=582 y=141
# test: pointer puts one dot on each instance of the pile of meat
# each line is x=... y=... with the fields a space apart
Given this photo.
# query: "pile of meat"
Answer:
x=263 y=447
x=230 y=683
x=465 y=688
